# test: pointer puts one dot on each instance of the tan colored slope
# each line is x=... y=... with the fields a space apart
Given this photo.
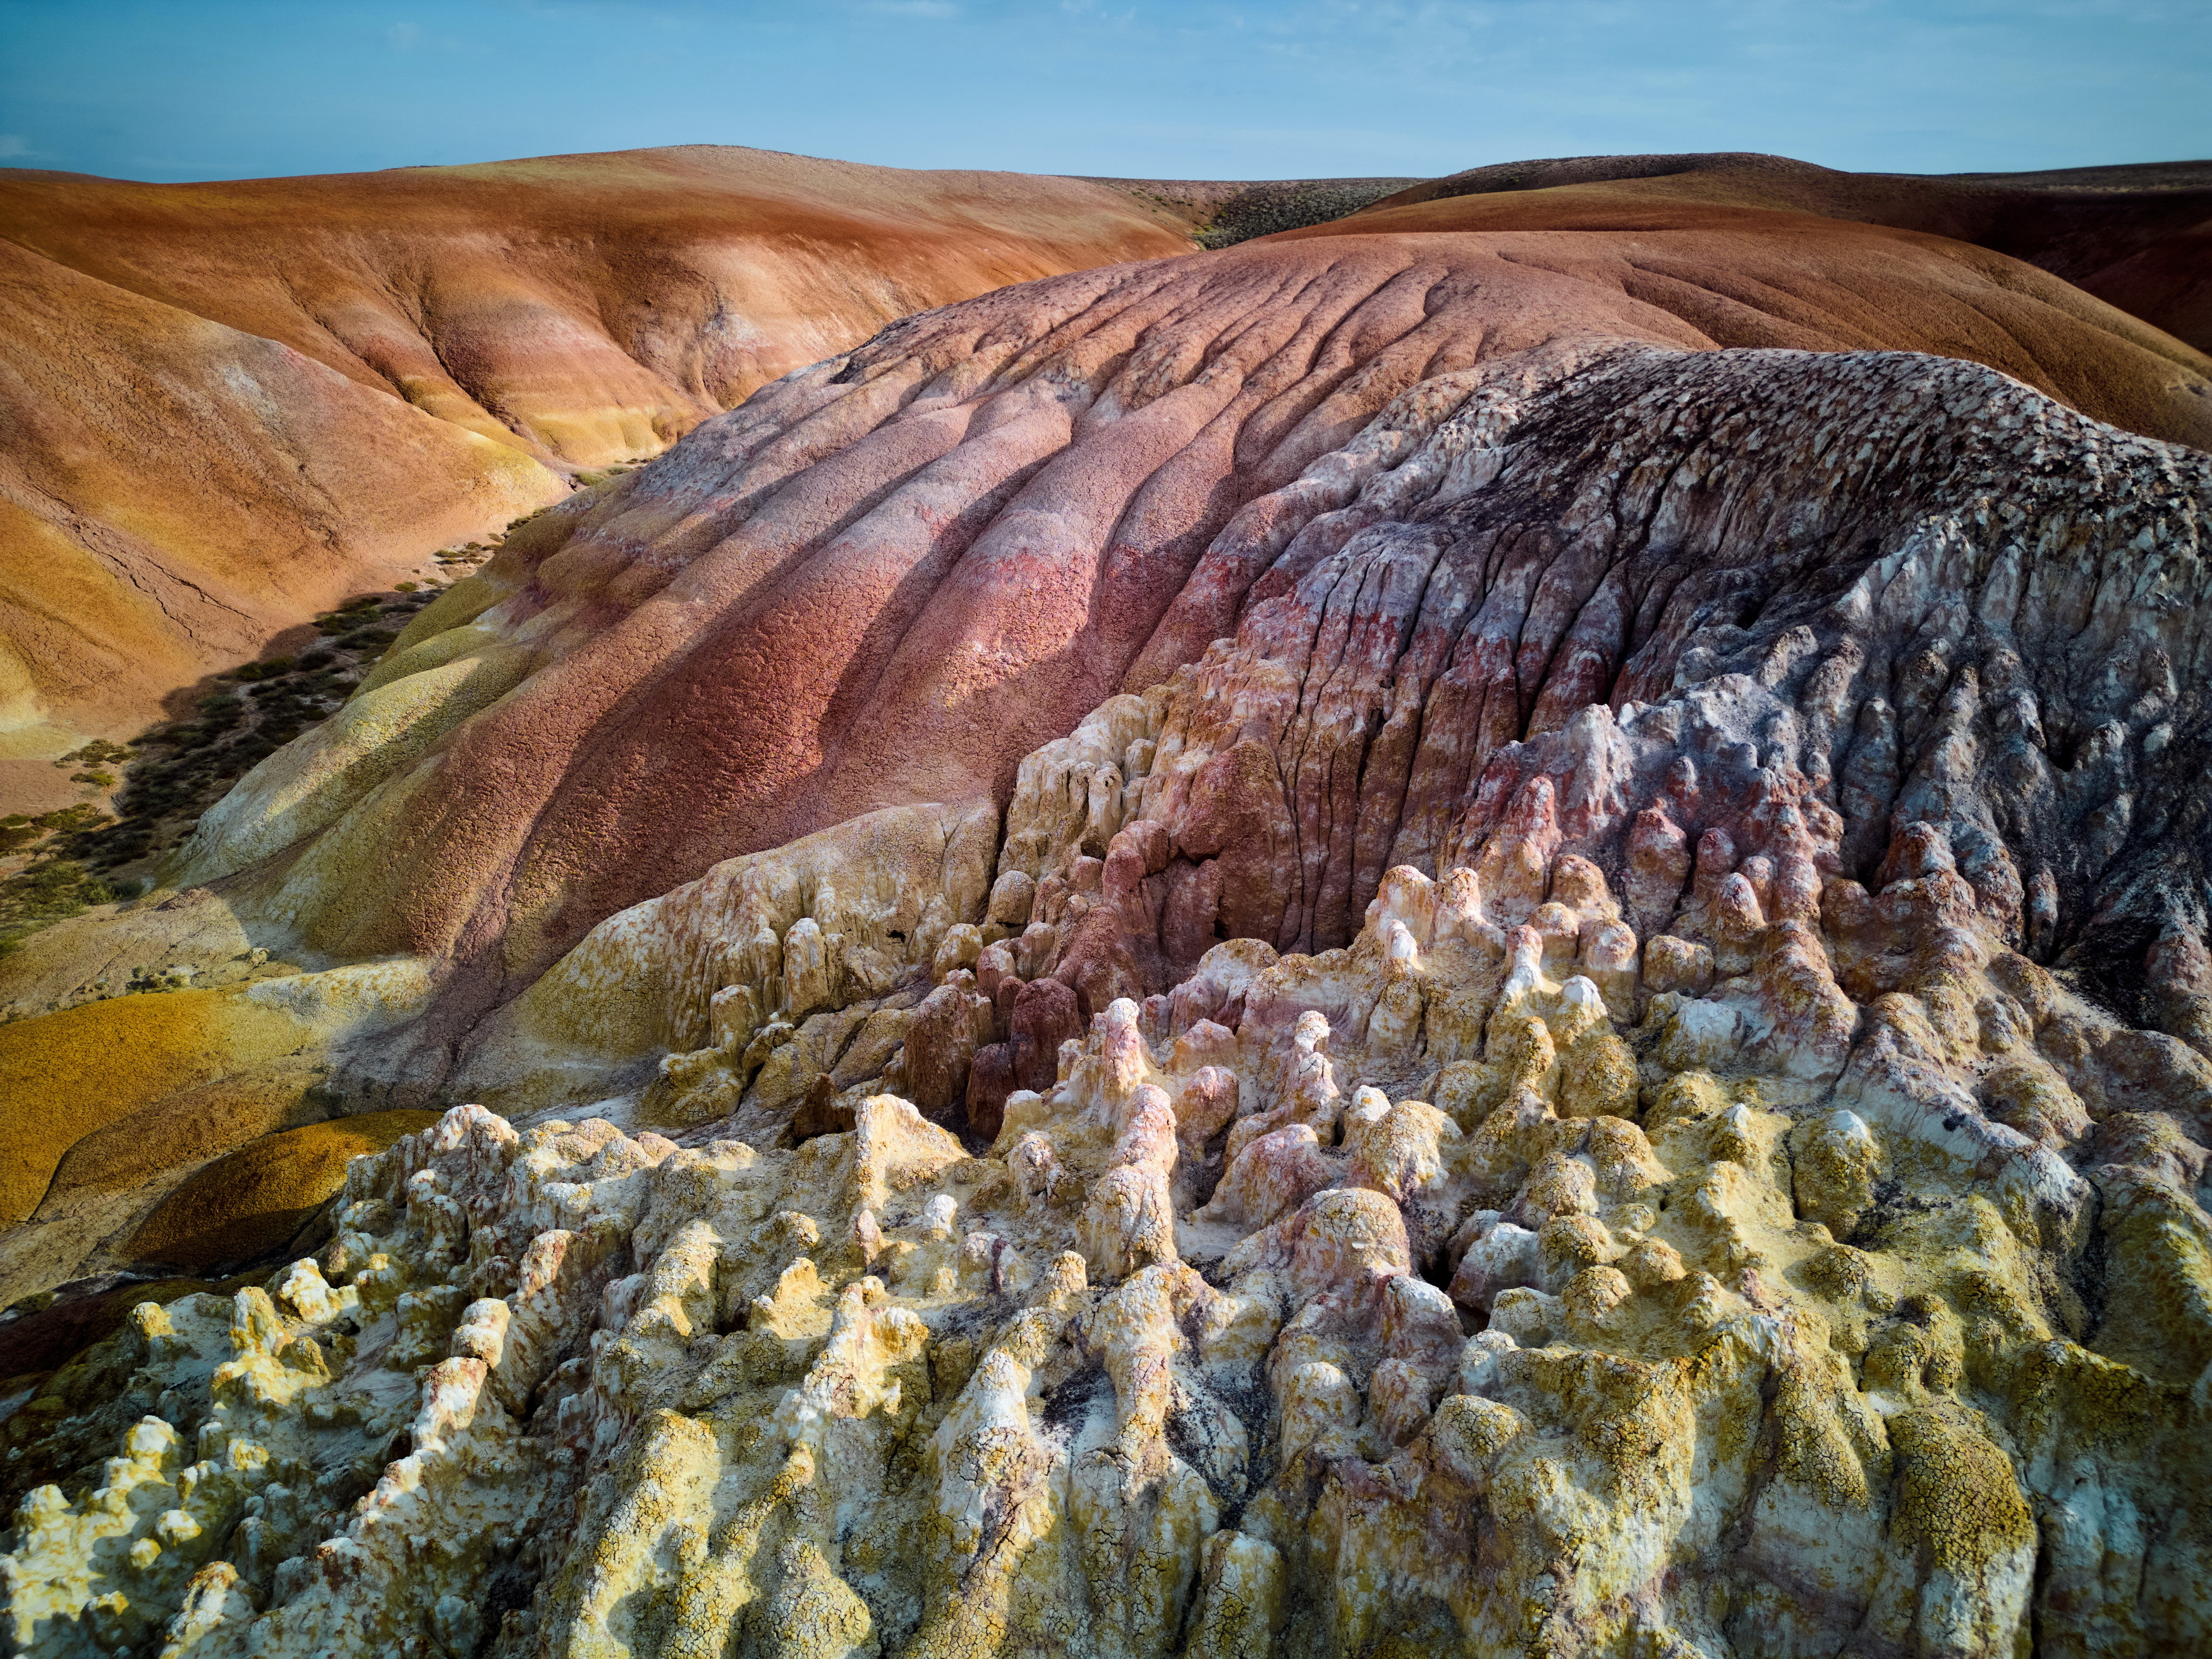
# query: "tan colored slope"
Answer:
x=173 y=492
x=1747 y=276
x=2097 y=227
x=220 y=397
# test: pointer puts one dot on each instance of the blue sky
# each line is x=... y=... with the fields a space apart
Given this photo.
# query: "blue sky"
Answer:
x=171 y=89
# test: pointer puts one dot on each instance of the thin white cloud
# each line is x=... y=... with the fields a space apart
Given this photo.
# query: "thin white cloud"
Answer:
x=13 y=144
x=404 y=35
x=932 y=9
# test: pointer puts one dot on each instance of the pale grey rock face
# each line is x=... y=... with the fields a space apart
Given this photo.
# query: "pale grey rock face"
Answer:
x=1896 y=589
x=1620 y=1065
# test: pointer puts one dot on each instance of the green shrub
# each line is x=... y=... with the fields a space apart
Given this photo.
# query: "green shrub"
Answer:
x=48 y=892
x=98 y=752
x=71 y=820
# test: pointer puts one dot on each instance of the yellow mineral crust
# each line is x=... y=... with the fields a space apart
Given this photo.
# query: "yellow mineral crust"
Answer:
x=251 y=1202
x=1453 y=1291
x=66 y=1076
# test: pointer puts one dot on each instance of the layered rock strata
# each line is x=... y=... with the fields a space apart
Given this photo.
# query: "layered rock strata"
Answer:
x=1593 y=1038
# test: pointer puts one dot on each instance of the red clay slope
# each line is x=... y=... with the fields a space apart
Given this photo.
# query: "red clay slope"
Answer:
x=885 y=581
x=231 y=405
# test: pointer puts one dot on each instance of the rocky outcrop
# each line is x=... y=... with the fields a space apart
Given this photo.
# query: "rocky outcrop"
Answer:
x=1462 y=1288
x=1349 y=947
x=980 y=526
x=236 y=403
x=1640 y=628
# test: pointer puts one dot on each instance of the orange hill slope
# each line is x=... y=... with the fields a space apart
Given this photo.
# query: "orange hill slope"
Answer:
x=231 y=405
x=2132 y=236
x=1755 y=276
x=588 y=307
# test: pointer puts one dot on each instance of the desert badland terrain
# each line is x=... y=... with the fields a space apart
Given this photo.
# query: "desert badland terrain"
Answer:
x=799 y=909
